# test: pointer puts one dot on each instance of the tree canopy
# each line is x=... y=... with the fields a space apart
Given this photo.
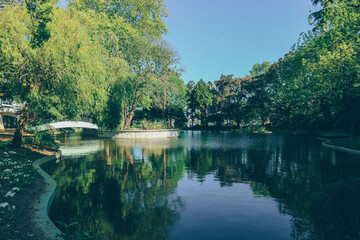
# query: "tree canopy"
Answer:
x=95 y=59
x=315 y=85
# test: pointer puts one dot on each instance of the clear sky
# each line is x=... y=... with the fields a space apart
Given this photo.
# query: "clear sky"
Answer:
x=215 y=37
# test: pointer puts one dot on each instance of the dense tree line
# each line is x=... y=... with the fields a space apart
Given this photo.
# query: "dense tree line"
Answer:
x=108 y=61
x=315 y=85
x=99 y=60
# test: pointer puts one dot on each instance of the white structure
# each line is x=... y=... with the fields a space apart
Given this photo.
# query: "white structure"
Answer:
x=65 y=124
x=140 y=134
x=9 y=108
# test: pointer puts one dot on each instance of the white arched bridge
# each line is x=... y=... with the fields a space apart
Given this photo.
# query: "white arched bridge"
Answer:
x=13 y=109
x=64 y=124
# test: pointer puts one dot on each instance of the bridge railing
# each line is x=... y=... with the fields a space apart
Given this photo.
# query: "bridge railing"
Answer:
x=10 y=106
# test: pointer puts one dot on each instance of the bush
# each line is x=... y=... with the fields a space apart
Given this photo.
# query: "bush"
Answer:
x=5 y=144
x=42 y=140
x=152 y=125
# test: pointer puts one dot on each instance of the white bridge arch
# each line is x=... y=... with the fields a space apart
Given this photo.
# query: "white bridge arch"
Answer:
x=64 y=124
x=13 y=109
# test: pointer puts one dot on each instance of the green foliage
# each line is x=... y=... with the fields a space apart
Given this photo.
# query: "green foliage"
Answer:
x=253 y=129
x=40 y=13
x=152 y=125
x=314 y=86
x=89 y=60
x=260 y=68
x=152 y=207
x=69 y=234
x=200 y=100
x=167 y=102
x=4 y=145
x=42 y=140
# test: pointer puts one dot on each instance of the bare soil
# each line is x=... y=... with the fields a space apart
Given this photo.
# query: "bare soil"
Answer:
x=19 y=224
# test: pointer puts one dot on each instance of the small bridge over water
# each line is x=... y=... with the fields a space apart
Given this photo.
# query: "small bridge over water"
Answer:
x=64 y=124
x=13 y=109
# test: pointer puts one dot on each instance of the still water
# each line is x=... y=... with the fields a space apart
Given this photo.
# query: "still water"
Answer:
x=208 y=185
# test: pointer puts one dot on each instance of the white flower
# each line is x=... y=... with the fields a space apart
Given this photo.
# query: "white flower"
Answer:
x=16 y=189
x=5 y=204
x=12 y=152
x=7 y=171
x=10 y=194
x=13 y=207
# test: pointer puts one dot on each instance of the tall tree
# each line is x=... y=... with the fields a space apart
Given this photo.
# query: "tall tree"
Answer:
x=134 y=33
x=63 y=77
x=200 y=100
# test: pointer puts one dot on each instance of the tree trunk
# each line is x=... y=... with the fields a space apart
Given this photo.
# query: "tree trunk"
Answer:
x=21 y=124
x=325 y=108
x=129 y=116
x=164 y=104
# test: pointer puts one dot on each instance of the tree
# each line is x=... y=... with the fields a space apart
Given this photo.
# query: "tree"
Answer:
x=134 y=33
x=63 y=77
x=200 y=100
x=259 y=68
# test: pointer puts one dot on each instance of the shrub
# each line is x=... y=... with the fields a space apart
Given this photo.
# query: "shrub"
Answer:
x=42 y=140
x=152 y=125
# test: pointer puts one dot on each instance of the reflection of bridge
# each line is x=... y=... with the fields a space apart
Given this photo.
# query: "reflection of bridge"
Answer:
x=82 y=148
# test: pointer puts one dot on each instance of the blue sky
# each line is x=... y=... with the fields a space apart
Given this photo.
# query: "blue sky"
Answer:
x=215 y=37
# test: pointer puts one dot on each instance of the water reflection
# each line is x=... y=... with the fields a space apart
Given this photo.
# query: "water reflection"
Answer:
x=130 y=189
x=118 y=195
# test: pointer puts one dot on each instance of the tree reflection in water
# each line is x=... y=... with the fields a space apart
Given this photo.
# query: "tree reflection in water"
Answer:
x=133 y=194
x=123 y=198
x=319 y=190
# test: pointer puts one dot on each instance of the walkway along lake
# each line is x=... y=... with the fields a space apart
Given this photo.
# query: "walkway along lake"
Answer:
x=208 y=185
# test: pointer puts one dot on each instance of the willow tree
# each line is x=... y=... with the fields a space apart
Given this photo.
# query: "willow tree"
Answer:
x=62 y=77
x=134 y=33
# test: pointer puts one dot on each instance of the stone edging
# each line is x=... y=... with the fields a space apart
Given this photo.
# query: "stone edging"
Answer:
x=42 y=207
x=325 y=143
x=140 y=134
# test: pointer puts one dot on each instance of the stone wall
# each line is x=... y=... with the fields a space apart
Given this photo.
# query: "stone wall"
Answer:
x=139 y=134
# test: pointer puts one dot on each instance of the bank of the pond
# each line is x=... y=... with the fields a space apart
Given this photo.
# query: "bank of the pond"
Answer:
x=140 y=134
x=350 y=145
x=42 y=207
x=20 y=189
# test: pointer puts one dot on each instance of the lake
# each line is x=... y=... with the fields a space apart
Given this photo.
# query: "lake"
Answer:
x=207 y=185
